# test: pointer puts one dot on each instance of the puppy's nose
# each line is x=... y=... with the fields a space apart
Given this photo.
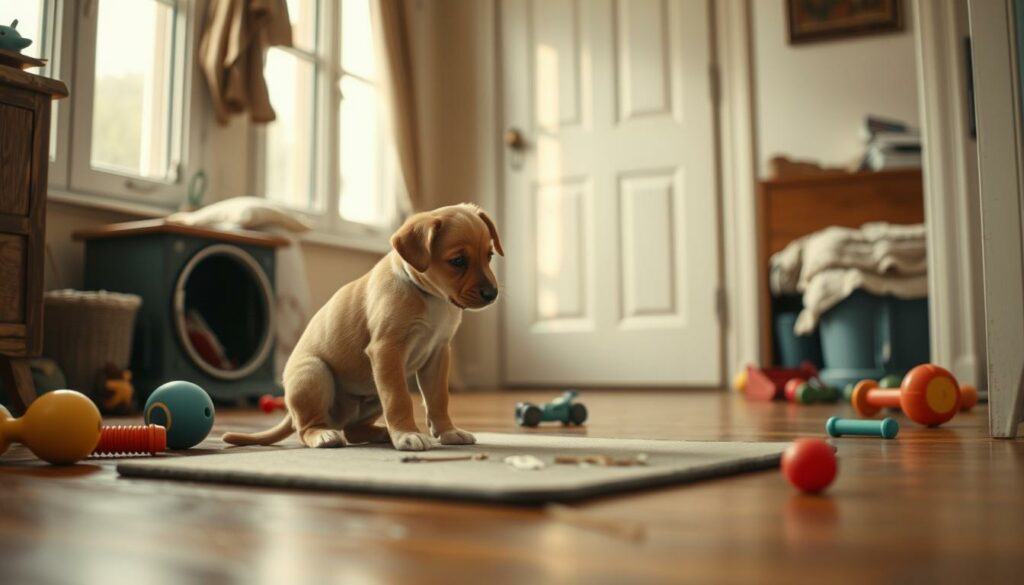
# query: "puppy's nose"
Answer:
x=488 y=293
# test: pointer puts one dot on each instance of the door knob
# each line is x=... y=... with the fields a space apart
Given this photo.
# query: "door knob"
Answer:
x=514 y=139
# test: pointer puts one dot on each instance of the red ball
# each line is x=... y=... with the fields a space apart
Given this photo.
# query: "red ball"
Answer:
x=809 y=464
x=790 y=388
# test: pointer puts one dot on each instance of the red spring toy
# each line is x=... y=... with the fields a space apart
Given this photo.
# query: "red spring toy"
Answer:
x=132 y=440
x=269 y=404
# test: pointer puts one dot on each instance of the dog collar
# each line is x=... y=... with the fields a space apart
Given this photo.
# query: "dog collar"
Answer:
x=412 y=281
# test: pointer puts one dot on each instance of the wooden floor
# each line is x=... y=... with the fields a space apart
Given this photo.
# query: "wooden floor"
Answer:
x=934 y=505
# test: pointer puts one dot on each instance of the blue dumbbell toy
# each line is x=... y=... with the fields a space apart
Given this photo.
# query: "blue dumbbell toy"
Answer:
x=184 y=409
x=886 y=428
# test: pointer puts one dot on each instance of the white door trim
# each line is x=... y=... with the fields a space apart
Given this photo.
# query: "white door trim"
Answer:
x=737 y=179
x=950 y=193
x=1000 y=169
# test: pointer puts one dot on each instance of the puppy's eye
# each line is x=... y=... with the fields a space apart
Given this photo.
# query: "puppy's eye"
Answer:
x=458 y=261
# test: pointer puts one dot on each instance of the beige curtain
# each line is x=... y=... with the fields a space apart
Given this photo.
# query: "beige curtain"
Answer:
x=392 y=20
x=234 y=39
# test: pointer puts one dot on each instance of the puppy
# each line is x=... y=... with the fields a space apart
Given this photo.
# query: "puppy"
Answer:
x=390 y=329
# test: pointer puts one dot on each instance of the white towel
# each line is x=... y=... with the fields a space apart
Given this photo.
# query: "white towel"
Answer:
x=292 y=299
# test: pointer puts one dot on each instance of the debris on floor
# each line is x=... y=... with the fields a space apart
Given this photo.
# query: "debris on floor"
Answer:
x=602 y=460
x=525 y=462
x=443 y=458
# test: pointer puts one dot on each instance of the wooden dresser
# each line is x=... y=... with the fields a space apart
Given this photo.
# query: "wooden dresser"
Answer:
x=24 y=158
x=794 y=207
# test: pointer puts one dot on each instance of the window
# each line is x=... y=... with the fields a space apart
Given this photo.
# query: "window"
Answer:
x=327 y=153
x=122 y=130
x=129 y=99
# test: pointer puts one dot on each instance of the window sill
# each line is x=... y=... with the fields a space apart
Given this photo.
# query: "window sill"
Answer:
x=142 y=210
x=358 y=243
x=370 y=244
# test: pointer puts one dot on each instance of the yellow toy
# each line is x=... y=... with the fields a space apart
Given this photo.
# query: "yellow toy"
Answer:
x=116 y=389
x=62 y=427
x=739 y=381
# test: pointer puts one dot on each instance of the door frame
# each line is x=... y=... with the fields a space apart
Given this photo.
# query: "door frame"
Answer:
x=737 y=155
x=1001 y=173
x=952 y=204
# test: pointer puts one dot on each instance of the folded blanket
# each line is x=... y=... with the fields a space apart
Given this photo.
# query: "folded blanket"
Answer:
x=828 y=265
x=876 y=248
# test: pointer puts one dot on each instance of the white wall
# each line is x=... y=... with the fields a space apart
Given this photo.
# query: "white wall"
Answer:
x=811 y=99
x=456 y=76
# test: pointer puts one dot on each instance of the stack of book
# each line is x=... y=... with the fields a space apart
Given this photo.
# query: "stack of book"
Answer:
x=890 y=145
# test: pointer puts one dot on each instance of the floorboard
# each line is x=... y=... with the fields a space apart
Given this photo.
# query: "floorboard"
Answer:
x=934 y=505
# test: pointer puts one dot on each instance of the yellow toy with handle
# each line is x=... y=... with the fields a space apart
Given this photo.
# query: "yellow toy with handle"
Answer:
x=62 y=427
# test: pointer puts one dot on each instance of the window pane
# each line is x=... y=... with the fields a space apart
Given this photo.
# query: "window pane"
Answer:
x=131 y=125
x=361 y=189
x=302 y=14
x=291 y=138
x=357 y=38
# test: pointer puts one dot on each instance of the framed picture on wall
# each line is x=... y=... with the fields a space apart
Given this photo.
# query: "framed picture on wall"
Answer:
x=821 y=20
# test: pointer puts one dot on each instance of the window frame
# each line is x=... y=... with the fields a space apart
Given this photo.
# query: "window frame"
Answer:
x=329 y=226
x=61 y=43
x=73 y=169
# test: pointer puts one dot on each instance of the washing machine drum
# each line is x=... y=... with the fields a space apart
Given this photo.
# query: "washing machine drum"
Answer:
x=223 y=312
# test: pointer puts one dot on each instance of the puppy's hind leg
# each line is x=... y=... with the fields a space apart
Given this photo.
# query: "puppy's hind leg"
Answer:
x=310 y=396
x=364 y=430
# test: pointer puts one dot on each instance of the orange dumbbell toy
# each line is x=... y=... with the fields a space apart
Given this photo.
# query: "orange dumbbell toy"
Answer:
x=929 y=395
x=62 y=427
x=132 y=440
x=968 y=396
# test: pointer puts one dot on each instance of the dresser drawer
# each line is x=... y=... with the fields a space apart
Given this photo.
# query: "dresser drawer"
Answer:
x=16 y=146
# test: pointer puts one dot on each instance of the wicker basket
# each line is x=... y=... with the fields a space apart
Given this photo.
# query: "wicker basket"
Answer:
x=86 y=330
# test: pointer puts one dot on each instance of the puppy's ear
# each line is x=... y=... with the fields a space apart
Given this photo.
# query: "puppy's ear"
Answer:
x=494 y=231
x=412 y=241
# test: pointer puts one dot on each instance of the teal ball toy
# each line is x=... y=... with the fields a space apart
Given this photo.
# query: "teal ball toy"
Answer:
x=184 y=409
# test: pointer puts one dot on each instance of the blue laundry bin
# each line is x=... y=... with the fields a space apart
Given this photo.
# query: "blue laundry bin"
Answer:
x=791 y=349
x=871 y=336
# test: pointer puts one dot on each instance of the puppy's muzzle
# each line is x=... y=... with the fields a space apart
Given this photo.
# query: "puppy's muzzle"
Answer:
x=488 y=294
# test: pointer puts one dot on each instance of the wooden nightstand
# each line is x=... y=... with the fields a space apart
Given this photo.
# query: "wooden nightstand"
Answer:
x=24 y=159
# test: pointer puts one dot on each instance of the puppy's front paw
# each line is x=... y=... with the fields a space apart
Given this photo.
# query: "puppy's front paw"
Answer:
x=456 y=437
x=411 y=441
x=323 y=438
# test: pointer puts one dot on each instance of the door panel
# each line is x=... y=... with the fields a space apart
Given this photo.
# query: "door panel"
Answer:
x=610 y=210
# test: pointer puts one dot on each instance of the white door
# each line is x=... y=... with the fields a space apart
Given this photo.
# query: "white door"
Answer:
x=610 y=208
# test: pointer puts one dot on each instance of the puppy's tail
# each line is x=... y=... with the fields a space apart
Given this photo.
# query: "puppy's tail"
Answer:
x=267 y=437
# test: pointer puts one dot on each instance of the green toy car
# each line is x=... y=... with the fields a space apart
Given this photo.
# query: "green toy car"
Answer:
x=561 y=409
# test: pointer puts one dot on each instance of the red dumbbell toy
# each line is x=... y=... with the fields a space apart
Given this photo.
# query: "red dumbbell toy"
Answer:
x=929 y=395
x=269 y=404
x=789 y=390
